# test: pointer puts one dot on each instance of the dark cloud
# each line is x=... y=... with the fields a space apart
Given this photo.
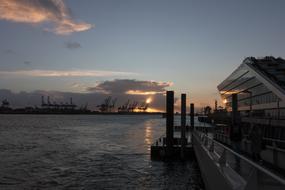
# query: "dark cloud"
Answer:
x=72 y=45
x=9 y=51
x=130 y=86
x=27 y=62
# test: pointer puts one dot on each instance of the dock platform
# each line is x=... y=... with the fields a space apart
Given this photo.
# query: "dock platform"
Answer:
x=159 y=150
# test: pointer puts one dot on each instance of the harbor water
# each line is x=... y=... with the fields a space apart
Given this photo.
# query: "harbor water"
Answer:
x=88 y=152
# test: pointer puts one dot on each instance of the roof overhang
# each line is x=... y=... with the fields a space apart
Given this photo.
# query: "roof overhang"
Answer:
x=247 y=66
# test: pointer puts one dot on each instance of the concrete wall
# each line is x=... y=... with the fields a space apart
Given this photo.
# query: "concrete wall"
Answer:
x=214 y=175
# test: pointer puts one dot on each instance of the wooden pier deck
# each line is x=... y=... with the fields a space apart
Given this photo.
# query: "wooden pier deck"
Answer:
x=159 y=150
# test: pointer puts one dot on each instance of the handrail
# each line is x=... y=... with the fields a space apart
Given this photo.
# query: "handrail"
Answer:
x=264 y=138
x=276 y=177
x=274 y=140
x=154 y=143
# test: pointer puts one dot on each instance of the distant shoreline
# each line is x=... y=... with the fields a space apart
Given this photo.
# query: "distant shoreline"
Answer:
x=88 y=113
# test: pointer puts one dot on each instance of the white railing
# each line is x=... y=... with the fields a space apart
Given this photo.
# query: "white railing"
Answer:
x=254 y=175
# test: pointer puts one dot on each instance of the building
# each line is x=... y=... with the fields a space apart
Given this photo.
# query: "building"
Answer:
x=254 y=95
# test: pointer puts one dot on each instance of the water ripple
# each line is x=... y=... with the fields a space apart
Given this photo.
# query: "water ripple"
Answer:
x=87 y=152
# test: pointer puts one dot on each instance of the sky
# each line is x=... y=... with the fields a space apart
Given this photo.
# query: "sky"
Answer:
x=131 y=48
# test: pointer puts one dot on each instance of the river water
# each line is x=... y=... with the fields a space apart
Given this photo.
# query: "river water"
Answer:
x=87 y=152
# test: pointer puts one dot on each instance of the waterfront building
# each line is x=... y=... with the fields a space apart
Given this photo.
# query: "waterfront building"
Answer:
x=257 y=88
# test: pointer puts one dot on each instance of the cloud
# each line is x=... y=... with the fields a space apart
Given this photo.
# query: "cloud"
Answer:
x=36 y=12
x=76 y=85
x=64 y=73
x=9 y=51
x=27 y=62
x=140 y=92
x=72 y=45
x=131 y=87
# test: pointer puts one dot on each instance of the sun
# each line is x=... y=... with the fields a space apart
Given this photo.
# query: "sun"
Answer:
x=148 y=100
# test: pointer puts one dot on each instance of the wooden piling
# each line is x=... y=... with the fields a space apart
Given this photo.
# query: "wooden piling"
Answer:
x=169 y=120
x=183 y=125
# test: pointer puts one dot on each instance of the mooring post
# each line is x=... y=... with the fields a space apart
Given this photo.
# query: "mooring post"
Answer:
x=183 y=125
x=169 y=120
x=192 y=116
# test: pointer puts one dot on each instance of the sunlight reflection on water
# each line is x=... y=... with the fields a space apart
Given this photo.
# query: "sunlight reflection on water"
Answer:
x=148 y=134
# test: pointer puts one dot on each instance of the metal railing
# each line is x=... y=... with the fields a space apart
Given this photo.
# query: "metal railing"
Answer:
x=254 y=175
x=276 y=143
x=160 y=141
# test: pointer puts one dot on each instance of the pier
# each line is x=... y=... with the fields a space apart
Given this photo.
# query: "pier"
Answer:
x=177 y=143
x=221 y=166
